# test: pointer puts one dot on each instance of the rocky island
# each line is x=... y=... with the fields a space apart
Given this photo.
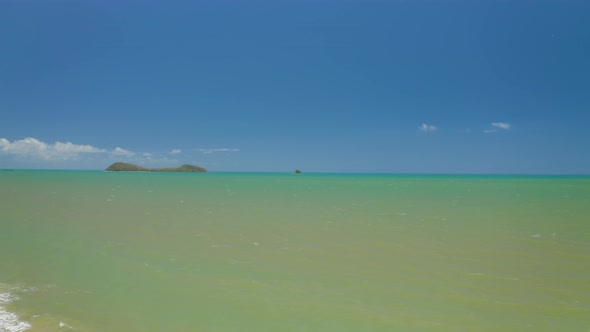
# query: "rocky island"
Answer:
x=125 y=167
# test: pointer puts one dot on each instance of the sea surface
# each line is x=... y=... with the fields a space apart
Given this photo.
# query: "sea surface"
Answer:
x=100 y=251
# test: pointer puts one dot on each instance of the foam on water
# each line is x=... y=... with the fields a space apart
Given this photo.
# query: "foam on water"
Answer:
x=9 y=321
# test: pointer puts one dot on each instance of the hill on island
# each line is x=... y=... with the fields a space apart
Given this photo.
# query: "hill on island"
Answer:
x=126 y=167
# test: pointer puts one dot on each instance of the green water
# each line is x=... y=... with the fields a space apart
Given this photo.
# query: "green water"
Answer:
x=96 y=251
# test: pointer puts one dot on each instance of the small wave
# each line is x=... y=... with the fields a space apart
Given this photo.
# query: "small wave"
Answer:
x=9 y=321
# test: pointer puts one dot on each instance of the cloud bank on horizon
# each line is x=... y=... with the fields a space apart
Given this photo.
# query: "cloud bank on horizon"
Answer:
x=35 y=149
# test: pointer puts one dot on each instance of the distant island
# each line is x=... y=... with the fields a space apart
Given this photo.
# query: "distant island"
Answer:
x=125 y=167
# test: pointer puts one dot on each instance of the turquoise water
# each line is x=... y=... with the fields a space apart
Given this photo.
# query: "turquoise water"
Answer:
x=96 y=251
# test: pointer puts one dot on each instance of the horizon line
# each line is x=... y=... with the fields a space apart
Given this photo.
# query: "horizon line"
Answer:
x=320 y=172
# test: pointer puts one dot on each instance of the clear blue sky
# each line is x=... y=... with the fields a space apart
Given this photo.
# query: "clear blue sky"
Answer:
x=325 y=86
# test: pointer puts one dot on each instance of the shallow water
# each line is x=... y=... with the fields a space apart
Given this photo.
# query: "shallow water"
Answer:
x=96 y=251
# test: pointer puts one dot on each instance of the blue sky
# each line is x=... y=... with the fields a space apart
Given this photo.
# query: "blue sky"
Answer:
x=325 y=86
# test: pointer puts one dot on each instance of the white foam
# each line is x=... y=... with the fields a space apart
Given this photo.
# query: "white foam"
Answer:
x=7 y=297
x=9 y=322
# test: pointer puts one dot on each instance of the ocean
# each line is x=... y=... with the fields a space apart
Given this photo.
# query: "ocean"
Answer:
x=102 y=251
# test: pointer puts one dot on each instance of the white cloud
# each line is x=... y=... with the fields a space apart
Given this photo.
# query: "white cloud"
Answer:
x=207 y=151
x=497 y=126
x=68 y=147
x=427 y=128
x=148 y=159
x=175 y=151
x=501 y=125
x=35 y=148
x=121 y=152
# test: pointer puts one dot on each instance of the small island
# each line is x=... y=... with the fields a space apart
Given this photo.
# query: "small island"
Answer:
x=126 y=167
x=297 y=171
